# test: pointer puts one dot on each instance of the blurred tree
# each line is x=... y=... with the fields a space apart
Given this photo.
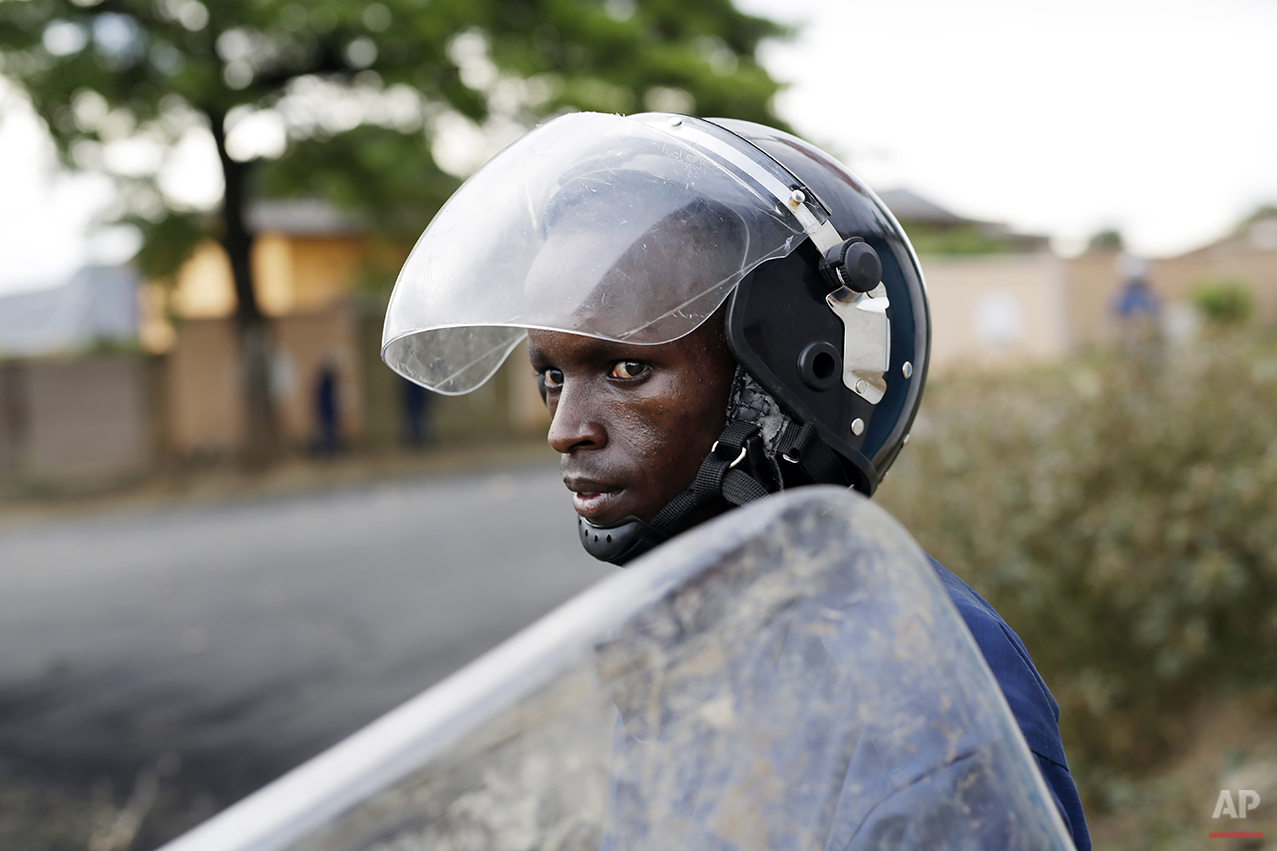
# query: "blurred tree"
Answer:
x=1106 y=240
x=348 y=101
x=1261 y=213
x=1259 y=229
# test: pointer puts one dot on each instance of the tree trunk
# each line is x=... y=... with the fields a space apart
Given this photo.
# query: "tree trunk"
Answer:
x=261 y=439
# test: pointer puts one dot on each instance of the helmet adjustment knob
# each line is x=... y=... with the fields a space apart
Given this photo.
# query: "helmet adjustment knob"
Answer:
x=853 y=264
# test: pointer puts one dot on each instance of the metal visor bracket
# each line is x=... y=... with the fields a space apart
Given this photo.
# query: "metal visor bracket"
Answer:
x=866 y=352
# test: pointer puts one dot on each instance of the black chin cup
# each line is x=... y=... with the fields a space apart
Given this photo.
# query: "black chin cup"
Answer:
x=619 y=542
x=718 y=482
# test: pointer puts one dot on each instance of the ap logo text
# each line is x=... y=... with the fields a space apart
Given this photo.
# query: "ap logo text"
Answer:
x=1247 y=799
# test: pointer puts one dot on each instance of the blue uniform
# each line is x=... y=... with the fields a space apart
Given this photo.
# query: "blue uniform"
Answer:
x=1031 y=703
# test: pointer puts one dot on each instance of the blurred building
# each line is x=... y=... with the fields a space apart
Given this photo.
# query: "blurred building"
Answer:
x=936 y=230
x=102 y=377
x=998 y=297
x=319 y=280
x=1001 y=298
x=1246 y=258
x=76 y=394
x=306 y=258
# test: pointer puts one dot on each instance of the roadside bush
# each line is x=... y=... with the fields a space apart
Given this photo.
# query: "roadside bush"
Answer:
x=1224 y=301
x=1122 y=516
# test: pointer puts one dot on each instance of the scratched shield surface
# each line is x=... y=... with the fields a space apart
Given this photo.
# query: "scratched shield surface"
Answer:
x=788 y=676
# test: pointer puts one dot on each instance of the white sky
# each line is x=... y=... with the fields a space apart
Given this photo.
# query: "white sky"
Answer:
x=1062 y=117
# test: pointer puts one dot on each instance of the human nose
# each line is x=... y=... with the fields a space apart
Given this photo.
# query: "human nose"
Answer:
x=574 y=424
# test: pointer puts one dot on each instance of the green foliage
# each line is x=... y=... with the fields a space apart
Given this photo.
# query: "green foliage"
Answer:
x=961 y=240
x=1119 y=514
x=1260 y=213
x=1106 y=240
x=390 y=178
x=1224 y=301
x=166 y=242
x=360 y=89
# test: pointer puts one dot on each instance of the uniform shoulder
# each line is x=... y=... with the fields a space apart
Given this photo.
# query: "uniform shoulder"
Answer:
x=1027 y=694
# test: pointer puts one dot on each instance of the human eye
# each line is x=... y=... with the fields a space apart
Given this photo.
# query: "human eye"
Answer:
x=629 y=369
x=551 y=378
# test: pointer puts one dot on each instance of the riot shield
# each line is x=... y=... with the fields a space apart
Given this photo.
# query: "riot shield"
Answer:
x=791 y=675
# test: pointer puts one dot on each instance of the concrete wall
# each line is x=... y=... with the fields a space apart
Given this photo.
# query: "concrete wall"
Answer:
x=204 y=409
x=70 y=423
x=508 y=404
x=305 y=342
x=11 y=425
x=1002 y=310
x=1176 y=278
x=205 y=412
x=995 y=311
x=1093 y=282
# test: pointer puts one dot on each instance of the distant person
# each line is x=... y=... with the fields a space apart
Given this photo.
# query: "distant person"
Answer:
x=327 y=410
x=418 y=416
x=1139 y=315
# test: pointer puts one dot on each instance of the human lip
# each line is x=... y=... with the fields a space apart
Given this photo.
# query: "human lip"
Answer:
x=591 y=499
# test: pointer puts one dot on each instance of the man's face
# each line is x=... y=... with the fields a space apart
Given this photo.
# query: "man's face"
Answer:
x=633 y=423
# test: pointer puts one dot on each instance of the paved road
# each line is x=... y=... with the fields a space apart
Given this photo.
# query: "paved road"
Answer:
x=244 y=638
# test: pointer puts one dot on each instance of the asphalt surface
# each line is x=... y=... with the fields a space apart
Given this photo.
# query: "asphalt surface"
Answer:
x=220 y=645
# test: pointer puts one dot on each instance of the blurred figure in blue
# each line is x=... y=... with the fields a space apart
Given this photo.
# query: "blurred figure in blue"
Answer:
x=328 y=440
x=1139 y=315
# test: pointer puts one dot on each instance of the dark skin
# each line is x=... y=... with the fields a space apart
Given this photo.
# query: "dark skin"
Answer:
x=632 y=423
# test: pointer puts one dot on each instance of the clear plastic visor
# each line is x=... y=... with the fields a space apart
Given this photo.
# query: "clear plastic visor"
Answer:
x=626 y=229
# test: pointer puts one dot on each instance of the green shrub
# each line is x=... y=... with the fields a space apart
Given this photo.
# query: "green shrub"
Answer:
x=1122 y=516
x=953 y=241
x=1224 y=301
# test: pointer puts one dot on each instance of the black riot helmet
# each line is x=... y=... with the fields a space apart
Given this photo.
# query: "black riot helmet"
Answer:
x=638 y=229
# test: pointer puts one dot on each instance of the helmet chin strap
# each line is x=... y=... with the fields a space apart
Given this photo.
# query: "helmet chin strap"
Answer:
x=744 y=464
x=721 y=478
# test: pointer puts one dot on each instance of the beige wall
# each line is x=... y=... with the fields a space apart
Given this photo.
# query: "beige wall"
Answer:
x=304 y=344
x=324 y=270
x=987 y=311
x=1093 y=282
x=1176 y=278
x=1000 y=310
x=205 y=410
x=508 y=403
x=528 y=414
x=304 y=284
x=76 y=422
x=1010 y=309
